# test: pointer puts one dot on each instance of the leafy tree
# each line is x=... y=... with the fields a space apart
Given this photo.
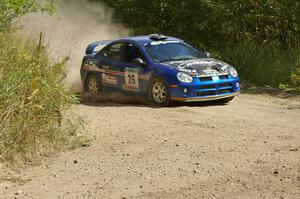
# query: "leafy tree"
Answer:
x=213 y=22
x=263 y=21
x=194 y=20
x=11 y=9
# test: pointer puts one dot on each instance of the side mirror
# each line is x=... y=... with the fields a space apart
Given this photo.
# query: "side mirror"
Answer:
x=139 y=62
x=101 y=55
x=207 y=54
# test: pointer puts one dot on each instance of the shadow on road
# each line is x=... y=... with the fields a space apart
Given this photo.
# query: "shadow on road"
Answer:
x=120 y=100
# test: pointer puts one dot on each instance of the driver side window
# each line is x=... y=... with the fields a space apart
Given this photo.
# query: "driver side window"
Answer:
x=133 y=53
x=123 y=52
x=113 y=52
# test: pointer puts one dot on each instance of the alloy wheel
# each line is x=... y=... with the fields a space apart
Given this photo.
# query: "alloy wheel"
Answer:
x=159 y=92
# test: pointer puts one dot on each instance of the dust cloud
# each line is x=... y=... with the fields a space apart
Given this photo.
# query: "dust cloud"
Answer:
x=67 y=32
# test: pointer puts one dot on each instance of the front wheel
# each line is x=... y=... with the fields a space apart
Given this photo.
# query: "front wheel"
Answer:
x=159 y=92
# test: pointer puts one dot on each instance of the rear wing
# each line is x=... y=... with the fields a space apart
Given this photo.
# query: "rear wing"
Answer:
x=96 y=47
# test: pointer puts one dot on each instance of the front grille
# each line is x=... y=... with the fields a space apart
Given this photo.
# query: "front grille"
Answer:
x=214 y=89
x=224 y=91
x=210 y=78
x=223 y=77
x=225 y=85
x=210 y=86
x=206 y=93
x=206 y=78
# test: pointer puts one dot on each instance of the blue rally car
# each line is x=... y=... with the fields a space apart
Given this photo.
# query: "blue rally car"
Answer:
x=165 y=69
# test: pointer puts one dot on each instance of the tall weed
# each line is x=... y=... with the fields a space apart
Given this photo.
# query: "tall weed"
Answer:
x=31 y=100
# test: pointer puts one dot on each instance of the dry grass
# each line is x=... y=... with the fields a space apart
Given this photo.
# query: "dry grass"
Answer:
x=31 y=100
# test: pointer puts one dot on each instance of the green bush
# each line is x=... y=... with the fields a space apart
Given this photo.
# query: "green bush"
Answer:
x=295 y=79
x=294 y=85
x=263 y=65
x=31 y=100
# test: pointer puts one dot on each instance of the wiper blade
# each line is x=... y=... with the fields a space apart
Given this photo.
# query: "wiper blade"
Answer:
x=182 y=59
x=166 y=60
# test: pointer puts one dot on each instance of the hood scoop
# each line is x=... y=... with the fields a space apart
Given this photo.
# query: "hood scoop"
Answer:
x=210 y=70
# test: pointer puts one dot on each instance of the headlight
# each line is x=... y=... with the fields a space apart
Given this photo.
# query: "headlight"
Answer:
x=233 y=72
x=184 y=77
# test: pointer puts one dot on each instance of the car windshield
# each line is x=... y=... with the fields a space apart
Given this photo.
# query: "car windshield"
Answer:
x=163 y=51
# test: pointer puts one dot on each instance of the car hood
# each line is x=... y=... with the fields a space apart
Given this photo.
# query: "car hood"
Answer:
x=200 y=67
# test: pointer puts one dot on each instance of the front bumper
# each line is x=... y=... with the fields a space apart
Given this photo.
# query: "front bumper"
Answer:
x=210 y=98
x=205 y=90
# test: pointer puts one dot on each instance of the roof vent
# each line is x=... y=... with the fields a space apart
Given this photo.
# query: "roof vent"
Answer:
x=158 y=37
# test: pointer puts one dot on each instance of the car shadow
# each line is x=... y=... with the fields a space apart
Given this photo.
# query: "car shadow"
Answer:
x=120 y=100
x=202 y=104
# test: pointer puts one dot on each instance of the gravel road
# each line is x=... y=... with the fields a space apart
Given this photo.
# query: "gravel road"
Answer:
x=247 y=149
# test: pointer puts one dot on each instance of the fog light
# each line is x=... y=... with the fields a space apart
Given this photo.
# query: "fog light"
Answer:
x=237 y=85
x=185 y=90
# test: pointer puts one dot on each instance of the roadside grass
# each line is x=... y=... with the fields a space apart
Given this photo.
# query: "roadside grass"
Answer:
x=265 y=65
x=32 y=98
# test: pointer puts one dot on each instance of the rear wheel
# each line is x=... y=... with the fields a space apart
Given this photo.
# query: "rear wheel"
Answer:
x=159 y=92
x=92 y=85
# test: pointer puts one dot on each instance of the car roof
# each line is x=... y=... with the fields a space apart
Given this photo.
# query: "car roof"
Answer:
x=146 y=39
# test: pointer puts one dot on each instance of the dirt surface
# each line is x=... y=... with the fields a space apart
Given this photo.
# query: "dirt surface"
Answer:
x=247 y=149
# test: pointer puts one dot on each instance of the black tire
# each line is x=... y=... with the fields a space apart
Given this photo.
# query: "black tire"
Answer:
x=92 y=84
x=159 y=93
x=225 y=100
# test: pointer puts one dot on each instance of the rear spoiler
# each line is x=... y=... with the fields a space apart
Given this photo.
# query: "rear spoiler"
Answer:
x=96 y=47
